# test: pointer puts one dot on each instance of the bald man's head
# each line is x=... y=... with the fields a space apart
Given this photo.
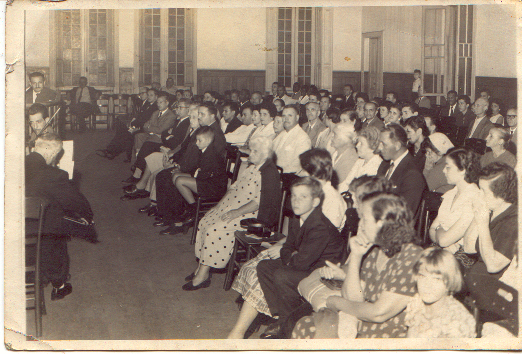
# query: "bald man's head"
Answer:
x=480 y=107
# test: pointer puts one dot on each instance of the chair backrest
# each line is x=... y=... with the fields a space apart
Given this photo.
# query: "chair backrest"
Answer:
x=429 y=206
x=120 y=104
x=233 y=157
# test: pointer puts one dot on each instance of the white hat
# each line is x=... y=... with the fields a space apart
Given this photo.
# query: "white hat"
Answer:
x=441 y=142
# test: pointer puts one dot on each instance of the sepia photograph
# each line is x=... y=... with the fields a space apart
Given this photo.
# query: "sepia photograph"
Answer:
x=208 y=175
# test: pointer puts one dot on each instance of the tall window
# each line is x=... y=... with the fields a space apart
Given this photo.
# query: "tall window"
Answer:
x=84 y=47
x=295 y=38
x=464 y=52
x=164 y=39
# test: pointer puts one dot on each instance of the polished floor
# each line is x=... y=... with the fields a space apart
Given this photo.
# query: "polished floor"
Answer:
x=128 y=286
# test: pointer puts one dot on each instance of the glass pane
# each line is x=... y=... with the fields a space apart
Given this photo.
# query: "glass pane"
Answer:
x=181 y=55
x=172 y=68
x=156 y=44
x=172 y=56
x=180 y=68
x=462 y=23
x=156 y=56
x=469 y=23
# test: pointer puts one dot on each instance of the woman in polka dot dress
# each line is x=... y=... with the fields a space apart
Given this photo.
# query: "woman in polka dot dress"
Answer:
x=215 y=236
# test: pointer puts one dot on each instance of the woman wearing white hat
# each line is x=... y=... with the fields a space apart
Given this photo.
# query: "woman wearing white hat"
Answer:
x=436 y=147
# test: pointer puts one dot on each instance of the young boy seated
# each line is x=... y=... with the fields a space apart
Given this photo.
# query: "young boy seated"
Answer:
x=312 y=240
x=210 y=178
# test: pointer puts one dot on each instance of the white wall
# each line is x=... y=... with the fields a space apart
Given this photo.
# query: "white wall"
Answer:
x=401 y=28
x=126 y=37
x=347 y=39
x=498 y=38
x=231 y=39
x=36 y=38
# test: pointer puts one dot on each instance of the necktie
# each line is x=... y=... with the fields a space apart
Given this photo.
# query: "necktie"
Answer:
x=451 y=111
x=249 y=137
x=81 y=93
x=390 y=170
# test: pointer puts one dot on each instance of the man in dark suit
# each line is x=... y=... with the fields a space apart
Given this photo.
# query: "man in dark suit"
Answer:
x=124 y=137
x=207 y=117
x=451 y=109
x=400 y=167
x=38 y=92
x=371 y=116
x=230 y=121
x=44 y=180
x=348 y=101
x=83 y=101
x=306 y=249
x=480 y=127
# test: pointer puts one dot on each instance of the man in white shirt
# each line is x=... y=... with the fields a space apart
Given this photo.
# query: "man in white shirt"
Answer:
x=240 y=135
x=290 y=143
x=480 y=127
x=314 y=125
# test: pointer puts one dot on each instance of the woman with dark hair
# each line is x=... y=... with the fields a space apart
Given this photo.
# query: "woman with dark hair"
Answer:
x=453 y=228
x=316 y=163
x=497 y=241
x=496 y=107
x=498 y=140
x=417 y=132
x=380 y=280
x=361 y=97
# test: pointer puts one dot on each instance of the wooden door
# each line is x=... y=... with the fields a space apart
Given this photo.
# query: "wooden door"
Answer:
x=372 y=64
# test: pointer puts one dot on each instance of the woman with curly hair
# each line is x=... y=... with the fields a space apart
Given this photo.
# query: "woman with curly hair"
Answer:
x=380 y=280
x=453 y=228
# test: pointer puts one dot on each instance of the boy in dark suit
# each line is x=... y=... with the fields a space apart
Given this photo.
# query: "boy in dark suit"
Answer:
x=312 y=240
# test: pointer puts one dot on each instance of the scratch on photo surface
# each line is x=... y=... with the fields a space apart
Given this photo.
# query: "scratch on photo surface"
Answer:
x=9 y=68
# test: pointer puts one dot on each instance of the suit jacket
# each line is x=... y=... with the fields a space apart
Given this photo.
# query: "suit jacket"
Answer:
x=408 y=181
x=233 y=125
x=46 y=96
x=211 y=179
x=318 y=127
x=482 y=129
x=93 y=94
x=219 y=138
x=145 y=114
x=445 y=110
x=53 y=184
x=375 y=122
x=158 y=124
x=270 y=194
x=347 y=102
x=173 y=137
x=316 y=241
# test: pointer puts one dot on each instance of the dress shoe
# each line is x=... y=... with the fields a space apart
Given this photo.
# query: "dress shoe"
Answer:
x=190 y=277
x=161 y=223
x=139 y=194
x=204 y=284
x=153 y=211
x=60 y=293
x=273 y=331
x=146 y=208
x=130 y=188
x=172 y=230
x=131 y=180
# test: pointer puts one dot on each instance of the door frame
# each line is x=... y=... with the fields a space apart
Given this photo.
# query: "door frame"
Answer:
x=379 y=36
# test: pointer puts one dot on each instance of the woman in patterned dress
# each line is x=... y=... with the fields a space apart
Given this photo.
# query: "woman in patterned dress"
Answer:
x=253 y=195
x=382 y=257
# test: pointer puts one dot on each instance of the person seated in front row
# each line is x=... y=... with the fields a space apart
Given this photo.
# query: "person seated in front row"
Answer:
x=369 y=160
x=312 y=240
x=437 y=146
x=256 y=194
x=498 y=140
x=44 y=180
x=152 y=130
x=453 y=228
x=379 y=282
x=433 y=311
x=209 y=180
x=289 y=144
x=316 y=163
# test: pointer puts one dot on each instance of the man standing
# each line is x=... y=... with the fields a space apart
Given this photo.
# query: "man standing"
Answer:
x=290 y=143
x=38 y=92
x=480 y=127
x=399 y=166
x=314 y=125
x=83 y=102
x=43 y=180
x=348 y=101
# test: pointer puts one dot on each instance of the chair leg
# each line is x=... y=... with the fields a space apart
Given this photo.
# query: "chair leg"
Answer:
x=196 y=221
x=230 y=268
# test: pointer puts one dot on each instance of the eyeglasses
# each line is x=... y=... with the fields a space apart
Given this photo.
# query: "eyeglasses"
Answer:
x=182 y=106
x=512 y=116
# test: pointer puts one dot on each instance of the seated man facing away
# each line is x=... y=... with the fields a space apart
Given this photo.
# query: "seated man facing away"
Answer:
x=160 y=121
x=124 y=137
x=312 y=240
x=43 y=180
x=290 y=143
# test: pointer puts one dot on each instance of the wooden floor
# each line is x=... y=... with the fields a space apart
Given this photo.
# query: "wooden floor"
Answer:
x=129 y=285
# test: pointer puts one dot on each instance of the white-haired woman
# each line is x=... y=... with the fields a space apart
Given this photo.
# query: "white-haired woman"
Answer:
x=256 y=194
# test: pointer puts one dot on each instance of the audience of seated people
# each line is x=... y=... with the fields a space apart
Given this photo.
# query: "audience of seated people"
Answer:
x=386 y=154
